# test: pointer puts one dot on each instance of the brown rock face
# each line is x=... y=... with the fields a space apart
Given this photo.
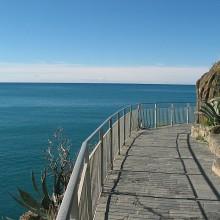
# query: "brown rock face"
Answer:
x=208 y=87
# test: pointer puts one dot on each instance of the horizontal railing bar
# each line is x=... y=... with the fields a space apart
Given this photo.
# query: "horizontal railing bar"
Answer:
x=102 y=125
x=94 y=149
x=166 y=102
x=104 y=135
x=99 y=142
x=81 y=182
x=71 y=188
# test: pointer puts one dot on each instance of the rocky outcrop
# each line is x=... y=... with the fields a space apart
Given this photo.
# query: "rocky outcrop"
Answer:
x=200 y=132
x=208 y=87
x=214 y=146
x=216 y=167
x=212 y=137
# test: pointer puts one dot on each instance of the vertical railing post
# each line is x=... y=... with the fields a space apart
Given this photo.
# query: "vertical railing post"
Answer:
x=124 y=113
x=74 y=214
x=111 y=150
x=88 y=185
x=187 y=113
x=171 y=115
x=155 y=116
x=130 y=119
x=118 y=118
x=102 y=157
x=138 y=119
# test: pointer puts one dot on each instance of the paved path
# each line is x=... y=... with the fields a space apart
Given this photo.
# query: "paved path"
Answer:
x=163 y=174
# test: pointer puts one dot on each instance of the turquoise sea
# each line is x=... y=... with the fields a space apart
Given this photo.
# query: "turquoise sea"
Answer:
x=30 y=113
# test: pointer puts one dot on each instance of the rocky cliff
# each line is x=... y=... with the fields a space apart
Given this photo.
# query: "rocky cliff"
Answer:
x=208 y=87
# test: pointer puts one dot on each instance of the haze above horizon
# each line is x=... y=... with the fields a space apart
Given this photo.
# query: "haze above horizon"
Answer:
x=126 y=41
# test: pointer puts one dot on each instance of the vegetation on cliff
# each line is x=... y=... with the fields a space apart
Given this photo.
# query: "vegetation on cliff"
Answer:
x=55 y=175
x=208 y=88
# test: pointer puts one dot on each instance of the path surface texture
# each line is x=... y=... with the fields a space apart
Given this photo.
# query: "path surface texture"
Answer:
x=161 y=174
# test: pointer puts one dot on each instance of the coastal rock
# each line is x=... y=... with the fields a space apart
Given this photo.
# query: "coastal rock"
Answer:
x=212 y=137
x=216 y=167
x=208 y=87
x=200 y=132
x=29 y=216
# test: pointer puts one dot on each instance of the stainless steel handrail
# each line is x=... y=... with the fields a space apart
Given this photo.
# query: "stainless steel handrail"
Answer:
x=65 y=208
x=69 y=207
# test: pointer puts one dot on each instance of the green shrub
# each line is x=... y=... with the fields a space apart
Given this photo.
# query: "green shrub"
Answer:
x=211 y=111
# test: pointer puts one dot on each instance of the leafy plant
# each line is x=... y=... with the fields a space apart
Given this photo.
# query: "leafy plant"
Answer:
x=58 y=170
x=215 y=102
x=211 y=112
x=41 y=207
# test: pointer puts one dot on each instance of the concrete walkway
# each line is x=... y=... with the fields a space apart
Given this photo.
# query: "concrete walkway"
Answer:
x=163 y=174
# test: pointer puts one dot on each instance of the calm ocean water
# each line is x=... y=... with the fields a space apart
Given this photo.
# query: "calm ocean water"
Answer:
x=30 y=113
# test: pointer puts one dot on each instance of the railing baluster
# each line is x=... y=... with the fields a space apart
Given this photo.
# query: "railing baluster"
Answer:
x=130 y=120
x=102 y=156
x=155 y=115
x=187 y=113
x=74 y=214
x=171 y=115
x=88 y=186
x=119 y=147
x=111 y=150
x=139 y=112
x=124 y=113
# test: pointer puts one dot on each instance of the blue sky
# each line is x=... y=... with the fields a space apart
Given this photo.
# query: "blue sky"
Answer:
x=38 y=37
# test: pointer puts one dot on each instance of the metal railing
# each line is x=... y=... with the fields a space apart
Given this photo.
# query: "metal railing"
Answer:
x=97 y=153
x=163 y=114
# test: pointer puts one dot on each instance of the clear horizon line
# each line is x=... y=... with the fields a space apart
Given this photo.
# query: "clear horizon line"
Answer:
x=118 y=83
